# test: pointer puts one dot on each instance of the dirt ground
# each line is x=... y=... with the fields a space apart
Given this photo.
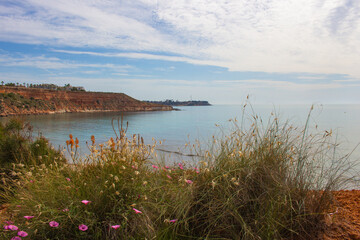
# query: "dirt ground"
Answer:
x=344 y=221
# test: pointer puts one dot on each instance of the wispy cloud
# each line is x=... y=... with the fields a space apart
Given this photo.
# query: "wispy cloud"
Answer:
x=265 y=35
x=42 y=62
x=284 y=85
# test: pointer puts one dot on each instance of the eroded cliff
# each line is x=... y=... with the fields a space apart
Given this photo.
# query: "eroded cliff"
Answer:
x=21 y=100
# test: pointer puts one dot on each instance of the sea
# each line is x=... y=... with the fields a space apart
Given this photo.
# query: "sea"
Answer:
x=198 y=124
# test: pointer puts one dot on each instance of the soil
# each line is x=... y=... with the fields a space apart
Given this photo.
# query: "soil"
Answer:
x=344 y=222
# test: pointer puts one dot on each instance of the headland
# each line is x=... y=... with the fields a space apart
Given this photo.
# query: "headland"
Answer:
x=20 y=100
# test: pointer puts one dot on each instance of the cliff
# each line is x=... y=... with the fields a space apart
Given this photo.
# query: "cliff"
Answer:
x=22 y=101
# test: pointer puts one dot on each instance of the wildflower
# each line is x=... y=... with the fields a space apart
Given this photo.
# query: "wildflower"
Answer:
x=12 y=228
x=53 y=224
x=86 y=202
x=196 y=170
x=31 y=181
x=137 y=172
x=173 y=220
x=9 y=222
x=155 y=167
x=22 y=233
x=83 y=227
x=213 y=184
x=16 y=238
x=28 y=217
x=115 y=226
x=65 y=210
x=137 y=211
x=68 y=179
x=169 y=177
x=70 y=136
x=188 y=181
x=181 y=166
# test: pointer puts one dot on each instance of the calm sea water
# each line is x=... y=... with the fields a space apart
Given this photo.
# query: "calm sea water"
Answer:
x=179 y=127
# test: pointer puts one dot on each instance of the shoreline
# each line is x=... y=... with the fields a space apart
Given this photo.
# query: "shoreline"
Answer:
x=16 y=101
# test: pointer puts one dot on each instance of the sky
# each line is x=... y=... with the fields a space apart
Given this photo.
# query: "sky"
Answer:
x=275 y=51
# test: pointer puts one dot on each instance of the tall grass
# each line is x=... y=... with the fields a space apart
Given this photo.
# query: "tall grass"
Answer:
x=268 y=181
x=18 y=146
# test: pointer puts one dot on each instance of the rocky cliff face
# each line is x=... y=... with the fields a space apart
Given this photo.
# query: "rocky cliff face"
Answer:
x=21 y=100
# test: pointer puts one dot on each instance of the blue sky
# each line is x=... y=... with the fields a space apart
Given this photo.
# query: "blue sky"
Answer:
x=293 y=51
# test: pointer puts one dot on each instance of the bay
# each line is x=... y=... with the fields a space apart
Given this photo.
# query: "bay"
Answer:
x=176 y=128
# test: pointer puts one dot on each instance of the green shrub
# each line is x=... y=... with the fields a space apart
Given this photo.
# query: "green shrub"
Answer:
x=17 y=147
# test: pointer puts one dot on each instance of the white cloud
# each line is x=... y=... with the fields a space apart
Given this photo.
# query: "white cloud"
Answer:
x=266 y=35
x=43 y=62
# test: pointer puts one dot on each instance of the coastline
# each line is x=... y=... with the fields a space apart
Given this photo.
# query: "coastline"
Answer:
x=16 y=101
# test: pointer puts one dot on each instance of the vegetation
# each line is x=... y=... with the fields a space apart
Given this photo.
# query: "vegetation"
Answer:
x=18 y=147
x=17 y=101
x=261 y=182
x=66 y=87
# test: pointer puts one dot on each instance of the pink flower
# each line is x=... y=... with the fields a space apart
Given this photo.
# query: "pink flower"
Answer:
x=169 y=177
x=155 y=167
x=173 y=220
x=181 y=166
x=16 y=238
x=12 y=227
x=65 y=210
x=53 y=224
x=137 y=211
x=189 y=181
x=196 y=170
x=86 y=202
x=31 y=181
x=83 y=227
x=28 y=217
x=115 y=226
x=6 y=227
x=9 y=222
x=167 y=167
x=22 y=234
x=68 y=179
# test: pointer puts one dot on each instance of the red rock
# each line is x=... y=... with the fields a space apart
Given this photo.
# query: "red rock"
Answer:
x=66 y=101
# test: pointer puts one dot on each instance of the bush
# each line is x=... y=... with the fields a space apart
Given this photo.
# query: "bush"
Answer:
x=17 y=147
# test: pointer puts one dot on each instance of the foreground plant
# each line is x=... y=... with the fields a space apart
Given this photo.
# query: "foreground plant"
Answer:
x=265 y=182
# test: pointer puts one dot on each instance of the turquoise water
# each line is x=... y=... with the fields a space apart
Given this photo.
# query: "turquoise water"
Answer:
x=179 y=127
